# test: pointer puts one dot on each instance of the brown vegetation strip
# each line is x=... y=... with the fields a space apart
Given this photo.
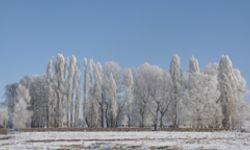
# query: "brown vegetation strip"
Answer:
x=116 y=147
x=86 y=140
x=3 y=131
x=119 y=139
x=194 y=129
x=119 y=129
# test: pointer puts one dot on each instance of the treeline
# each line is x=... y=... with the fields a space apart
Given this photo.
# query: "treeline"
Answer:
x=106 y=96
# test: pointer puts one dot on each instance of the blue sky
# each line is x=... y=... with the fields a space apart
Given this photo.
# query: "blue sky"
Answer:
x=129 y=32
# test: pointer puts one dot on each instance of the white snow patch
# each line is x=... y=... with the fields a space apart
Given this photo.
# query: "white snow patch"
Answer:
x=145 y=140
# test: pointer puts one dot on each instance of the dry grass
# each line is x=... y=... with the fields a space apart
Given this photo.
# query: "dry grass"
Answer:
x=119 y=129
x=118 y=140
x=83 y=129
x=99 y=143
x=194 y=129
x=3 y=131
x=114 y=147
x=90 y=140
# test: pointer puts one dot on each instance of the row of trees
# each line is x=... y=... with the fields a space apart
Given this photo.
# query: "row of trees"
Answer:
x=107 y=96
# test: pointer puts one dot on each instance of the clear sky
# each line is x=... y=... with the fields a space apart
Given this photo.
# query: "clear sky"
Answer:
x=129 y=32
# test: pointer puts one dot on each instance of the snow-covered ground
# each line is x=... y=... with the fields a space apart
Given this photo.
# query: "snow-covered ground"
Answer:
x=126 y=140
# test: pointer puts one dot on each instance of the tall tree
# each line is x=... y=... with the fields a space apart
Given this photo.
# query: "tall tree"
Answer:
x=176 y=82
x=155 y=82
x=195 y=93
x=107 y=69
x=85 y=80
x=69 y=107
x=229 y=87
x=113 y=102
x=10 y=94
x=98 y=90
x=77 y=97
x=194 y=90
x=143 y=93
x=164 y=101
x=129 y=97
x=51 y=102
x=59 y=68
x=91 y=108
x=240 y=112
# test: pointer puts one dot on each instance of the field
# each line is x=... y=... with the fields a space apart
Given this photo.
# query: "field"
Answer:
x=144 y=140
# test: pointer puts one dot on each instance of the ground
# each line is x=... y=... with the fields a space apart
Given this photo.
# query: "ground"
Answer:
x=223 y=140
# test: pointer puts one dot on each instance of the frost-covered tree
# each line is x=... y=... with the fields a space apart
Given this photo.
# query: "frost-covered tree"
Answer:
x=211 y=114
x=242 y=91
x=129 y=97
x=51 y=100
x=113 y=102
x=230 y=86
x=144 y=96
x=69 y=102
x=194 y=92
x=176 y=83
x=110 y=102
x=107 y=69
x=97 y=95
x=156 y=85
x=226 y=82
x=151 y=95
x=202 y=95
x=21 y=114
x=143 y=90
x=59 y=70
x=114 y=68
x=211 y=72
x=85 y=80
x=164 y=101
x=10 y=94
x=37 y=87
x=38 y=91
x=77 y=84
x=91 y=108
x=194 y=65
x=87 y=90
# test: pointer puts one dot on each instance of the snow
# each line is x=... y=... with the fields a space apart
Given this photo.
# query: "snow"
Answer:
x=126 y=140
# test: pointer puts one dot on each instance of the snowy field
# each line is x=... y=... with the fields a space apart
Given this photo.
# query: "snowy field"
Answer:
x=224 y=140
